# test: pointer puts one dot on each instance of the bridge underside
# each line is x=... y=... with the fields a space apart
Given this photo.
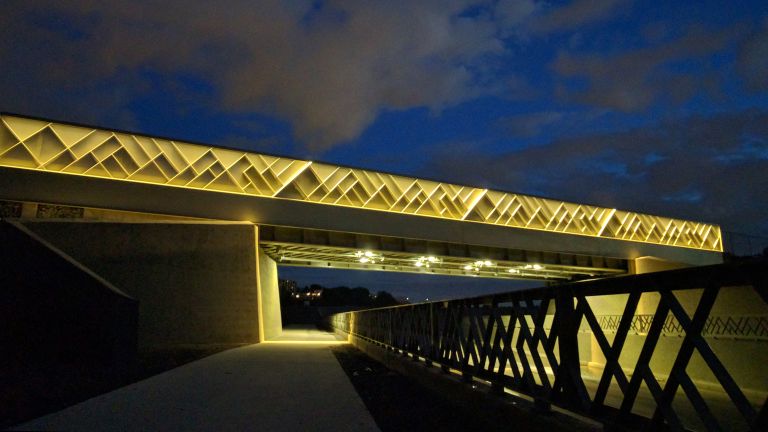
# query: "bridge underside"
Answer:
x=304 y=247
x=318 y=235
x=340 y=250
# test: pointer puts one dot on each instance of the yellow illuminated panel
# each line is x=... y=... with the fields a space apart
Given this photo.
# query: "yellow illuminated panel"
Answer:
x=54 y=147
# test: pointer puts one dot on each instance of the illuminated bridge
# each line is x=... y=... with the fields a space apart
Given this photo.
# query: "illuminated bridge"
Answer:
x=185 y=240
x=321 y=214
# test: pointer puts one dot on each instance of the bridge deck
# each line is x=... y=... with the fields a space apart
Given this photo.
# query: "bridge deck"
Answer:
x=269 y=386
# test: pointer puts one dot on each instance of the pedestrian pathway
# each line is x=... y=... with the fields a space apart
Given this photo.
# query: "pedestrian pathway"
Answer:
x=306 y=335
x=279 y=386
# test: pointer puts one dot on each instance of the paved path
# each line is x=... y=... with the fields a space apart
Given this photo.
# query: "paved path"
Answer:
x=304 y=334
x=267 y=387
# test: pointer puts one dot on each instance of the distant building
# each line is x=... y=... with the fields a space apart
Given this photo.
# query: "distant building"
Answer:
x=289 y=285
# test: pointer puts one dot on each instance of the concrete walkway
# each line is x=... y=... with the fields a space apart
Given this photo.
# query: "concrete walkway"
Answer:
x=267 y=387
x=304 y=334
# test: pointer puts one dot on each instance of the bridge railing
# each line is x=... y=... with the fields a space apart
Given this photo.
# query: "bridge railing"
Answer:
x=681 y=349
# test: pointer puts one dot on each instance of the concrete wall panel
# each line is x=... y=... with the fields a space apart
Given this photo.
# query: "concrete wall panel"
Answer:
x=195 y=283
x=270 y=297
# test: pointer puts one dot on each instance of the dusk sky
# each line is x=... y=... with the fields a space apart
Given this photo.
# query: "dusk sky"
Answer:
x=654 y=106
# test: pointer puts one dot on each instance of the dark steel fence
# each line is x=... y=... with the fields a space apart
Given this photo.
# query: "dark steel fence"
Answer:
x=679 y=350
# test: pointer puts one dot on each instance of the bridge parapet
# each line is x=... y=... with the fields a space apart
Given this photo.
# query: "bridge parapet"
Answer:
x=684 y=352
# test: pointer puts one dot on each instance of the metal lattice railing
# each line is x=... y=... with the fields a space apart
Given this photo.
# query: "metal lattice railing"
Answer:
x=734 y=326
x=529 y=342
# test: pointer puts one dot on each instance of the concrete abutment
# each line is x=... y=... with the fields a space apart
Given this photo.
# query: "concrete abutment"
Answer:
x=196 y=283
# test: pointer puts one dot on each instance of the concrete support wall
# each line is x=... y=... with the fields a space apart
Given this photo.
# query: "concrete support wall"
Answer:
x=270 y=297
x=648 y=264
x=196 y=283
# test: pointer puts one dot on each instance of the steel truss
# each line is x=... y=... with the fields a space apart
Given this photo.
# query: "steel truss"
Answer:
x=42 y=145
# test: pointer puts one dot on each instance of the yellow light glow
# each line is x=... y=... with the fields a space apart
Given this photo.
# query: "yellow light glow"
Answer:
x=425 y=261
x=365 y=257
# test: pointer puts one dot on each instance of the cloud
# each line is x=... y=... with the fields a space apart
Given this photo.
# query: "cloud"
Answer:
x=701 y=168
x=329 y=67
x=576 y=14
x=553 y=123
x=632 y=81
x=752 y=59
x=515 y=12
x=530 y=125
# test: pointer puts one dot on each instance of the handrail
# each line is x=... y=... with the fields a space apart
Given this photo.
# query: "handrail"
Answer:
x=529 y=342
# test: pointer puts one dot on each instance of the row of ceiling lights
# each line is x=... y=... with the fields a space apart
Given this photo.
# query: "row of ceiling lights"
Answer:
x=368 y=257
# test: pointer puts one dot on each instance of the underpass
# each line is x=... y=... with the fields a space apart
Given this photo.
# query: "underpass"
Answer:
x=193 y=237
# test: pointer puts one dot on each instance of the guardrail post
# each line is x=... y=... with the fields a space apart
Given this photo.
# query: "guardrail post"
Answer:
x=431 y=335
x=574 y=391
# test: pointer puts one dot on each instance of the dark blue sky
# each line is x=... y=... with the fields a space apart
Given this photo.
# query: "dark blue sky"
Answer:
x=654 y=106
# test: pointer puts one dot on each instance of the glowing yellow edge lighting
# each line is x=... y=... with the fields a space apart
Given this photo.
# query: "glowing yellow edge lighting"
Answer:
x=705 y=232
x=259 y=287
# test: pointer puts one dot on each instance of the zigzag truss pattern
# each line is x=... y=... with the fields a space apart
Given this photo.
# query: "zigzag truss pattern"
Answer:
x=62 y=148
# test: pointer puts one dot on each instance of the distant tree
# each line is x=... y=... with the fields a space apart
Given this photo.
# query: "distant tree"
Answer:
x=334 y=296
x=359 y=296
x=384 y=299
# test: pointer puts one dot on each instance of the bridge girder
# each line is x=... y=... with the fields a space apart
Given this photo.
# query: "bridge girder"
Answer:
x=60 y=163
